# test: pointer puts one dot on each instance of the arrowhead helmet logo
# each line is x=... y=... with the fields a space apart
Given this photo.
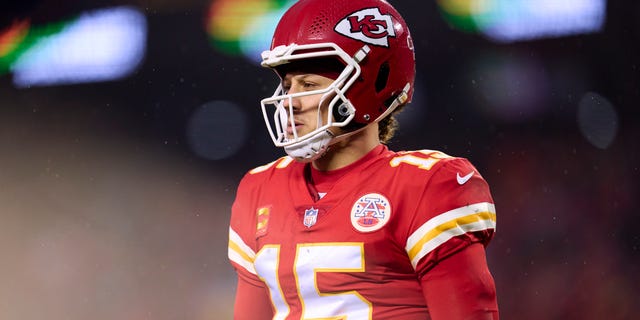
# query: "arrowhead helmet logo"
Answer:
x=369 y=26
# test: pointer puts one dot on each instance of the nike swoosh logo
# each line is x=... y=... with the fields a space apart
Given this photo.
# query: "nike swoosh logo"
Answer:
x=463 y=180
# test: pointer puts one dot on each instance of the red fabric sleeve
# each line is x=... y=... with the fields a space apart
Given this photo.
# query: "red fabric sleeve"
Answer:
x=461 y=287
x=252 y=302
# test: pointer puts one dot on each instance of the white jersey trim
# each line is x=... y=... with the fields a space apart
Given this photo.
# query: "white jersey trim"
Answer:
x=240 y=253
x=453 y=223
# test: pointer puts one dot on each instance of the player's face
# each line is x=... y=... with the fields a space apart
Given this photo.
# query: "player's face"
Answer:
x=306 y=108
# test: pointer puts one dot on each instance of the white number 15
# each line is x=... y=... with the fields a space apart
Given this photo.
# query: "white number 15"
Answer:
x=311 y=259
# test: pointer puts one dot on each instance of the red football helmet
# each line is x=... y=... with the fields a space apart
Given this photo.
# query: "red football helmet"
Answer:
x=373 y=45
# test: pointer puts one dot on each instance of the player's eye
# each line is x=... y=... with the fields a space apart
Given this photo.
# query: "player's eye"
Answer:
x=309 y=85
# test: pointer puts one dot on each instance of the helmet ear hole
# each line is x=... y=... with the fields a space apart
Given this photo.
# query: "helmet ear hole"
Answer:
x=383 y=77
x=342 y=112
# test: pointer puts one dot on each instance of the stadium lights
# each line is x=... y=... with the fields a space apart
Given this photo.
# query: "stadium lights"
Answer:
x=100 y=45
x=520 y=20
x=244 y=27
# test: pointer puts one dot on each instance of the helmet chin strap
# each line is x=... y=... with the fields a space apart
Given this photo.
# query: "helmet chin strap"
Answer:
x=312 y=148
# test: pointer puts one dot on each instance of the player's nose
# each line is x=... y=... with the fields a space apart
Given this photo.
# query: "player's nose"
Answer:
x=291 y=102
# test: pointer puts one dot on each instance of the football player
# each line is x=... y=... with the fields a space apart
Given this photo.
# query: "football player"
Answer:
x=343 y=227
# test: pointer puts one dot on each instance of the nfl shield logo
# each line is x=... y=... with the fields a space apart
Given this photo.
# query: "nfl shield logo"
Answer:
x=310 y=217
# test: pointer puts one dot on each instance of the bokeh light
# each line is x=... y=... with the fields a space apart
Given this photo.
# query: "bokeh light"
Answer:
x=518 y=20
x=11 y=40
x=21 y=37
x=99 y=45
x=465 y=14
x=217 y=130
x=244 y=27
x=597 y=119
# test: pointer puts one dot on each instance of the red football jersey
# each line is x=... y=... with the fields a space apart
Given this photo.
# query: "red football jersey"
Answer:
x=360 y=251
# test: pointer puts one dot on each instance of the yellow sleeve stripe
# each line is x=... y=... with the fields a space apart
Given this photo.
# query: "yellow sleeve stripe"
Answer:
x=241 y=253
x=438 y=230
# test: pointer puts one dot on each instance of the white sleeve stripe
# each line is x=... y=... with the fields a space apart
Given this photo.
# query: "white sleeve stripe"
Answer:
x=240 y=253
x=235 y=238
x=446 y=235
x=450 y=222
x=417 y=235
x=239 y=260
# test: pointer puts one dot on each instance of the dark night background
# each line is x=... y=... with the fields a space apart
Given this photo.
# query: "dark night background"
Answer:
x=108 y=211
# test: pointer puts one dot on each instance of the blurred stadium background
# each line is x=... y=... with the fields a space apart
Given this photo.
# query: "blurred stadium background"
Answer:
x=126 y=125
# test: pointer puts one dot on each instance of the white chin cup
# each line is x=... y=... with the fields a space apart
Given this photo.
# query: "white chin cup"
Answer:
x=310 y=149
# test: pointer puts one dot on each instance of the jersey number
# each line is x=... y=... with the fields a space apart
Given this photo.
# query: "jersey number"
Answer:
x=312 y=259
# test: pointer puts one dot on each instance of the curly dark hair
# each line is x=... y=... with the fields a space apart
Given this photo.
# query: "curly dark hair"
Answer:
x=388 y=126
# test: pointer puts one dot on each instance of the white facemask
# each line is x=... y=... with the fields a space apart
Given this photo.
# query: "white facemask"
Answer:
x=279 y=118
